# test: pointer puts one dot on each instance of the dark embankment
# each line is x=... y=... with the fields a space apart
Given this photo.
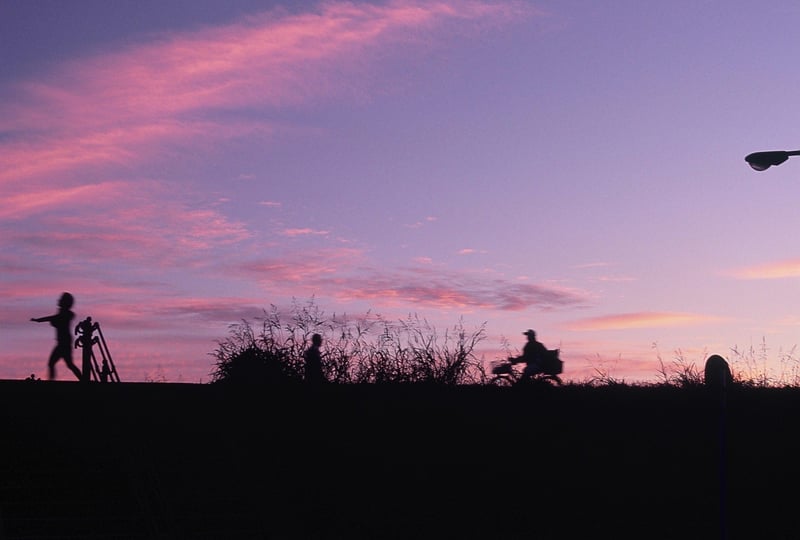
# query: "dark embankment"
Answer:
x=203 y=461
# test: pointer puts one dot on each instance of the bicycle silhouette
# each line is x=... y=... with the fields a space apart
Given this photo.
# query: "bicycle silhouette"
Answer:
x=505 y=372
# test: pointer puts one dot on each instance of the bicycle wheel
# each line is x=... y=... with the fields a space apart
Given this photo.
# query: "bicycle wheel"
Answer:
x=502 y=380
x=553 y=380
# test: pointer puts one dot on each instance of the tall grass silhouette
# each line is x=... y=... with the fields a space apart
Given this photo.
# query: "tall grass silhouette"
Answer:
x=372 y=349
x=366 y=349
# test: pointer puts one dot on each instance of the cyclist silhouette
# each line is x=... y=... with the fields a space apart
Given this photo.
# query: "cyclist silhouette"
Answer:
x=534 y=355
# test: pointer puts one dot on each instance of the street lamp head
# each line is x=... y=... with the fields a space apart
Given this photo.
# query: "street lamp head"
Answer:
x=761 y=161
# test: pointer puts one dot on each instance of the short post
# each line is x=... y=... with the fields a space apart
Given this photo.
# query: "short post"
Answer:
x=717 y=379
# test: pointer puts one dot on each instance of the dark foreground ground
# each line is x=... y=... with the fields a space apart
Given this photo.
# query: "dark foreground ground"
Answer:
x=199 y=461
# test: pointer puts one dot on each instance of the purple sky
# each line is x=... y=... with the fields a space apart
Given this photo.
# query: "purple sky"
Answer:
x=574 y=167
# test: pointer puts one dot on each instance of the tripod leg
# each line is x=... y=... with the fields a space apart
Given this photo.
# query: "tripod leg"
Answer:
x=95 y=368
x=107 y=355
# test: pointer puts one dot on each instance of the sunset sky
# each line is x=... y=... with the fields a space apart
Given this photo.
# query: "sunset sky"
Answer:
x=569 y=166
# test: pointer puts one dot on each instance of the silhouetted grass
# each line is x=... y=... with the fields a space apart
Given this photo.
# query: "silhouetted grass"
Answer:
x=368 y=349
x=371 y=349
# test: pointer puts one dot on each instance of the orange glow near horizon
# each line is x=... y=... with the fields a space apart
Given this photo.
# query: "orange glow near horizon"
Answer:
x=640 y=320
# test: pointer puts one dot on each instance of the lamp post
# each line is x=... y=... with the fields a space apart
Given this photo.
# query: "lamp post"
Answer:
x=761 y=161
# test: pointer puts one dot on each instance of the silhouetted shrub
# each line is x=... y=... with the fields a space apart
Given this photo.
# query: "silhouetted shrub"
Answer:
x=251 y=366
x=246 y=359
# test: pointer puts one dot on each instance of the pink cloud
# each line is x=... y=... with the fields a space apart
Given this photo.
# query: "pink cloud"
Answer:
x=99 y=116
x=627 y=321
x=341 y=274
x=116 y=221
x=304 y=232
x=23 y=204
x=130 y=315
x=123 y=106
x=598 y=264
x=421 y=223
x=616 y=279
x=87 y=145
x=313 y=268
x=775 y=270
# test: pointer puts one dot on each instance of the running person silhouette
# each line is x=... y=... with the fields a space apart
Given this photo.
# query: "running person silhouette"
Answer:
x=63 y=349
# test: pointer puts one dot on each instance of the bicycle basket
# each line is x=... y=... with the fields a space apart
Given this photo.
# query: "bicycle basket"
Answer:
x=553 y=364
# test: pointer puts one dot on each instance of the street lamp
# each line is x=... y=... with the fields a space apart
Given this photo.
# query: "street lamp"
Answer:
x=761 y=161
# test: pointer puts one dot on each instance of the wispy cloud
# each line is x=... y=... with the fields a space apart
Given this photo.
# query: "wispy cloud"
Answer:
x=421 y=223
x=208 y=309
x=605 y=277
x=105 y=115
x=626 y=321
x=311 y=269
x=452 y=290
x=344 y=274
x=115 y=221
x=598 y=264
x=616 y=279
x=121 y=107
x=789 y=268
x=305 y=231
x=31 y=202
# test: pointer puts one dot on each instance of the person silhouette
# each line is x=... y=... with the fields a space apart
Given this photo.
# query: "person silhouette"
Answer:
x=534 y=355
x=313 y=361
x=61 y=322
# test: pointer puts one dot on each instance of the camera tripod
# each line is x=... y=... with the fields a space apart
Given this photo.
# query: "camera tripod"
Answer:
x=106 y=371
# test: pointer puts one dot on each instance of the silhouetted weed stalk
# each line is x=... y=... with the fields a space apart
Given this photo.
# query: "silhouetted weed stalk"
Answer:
x=366 y=349
x=681 y=371
x=750 y=368
x=604 y=373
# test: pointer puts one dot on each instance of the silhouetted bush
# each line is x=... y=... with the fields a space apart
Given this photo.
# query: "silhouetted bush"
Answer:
x=246 y=358
x=251 y=365
x=367 y=349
